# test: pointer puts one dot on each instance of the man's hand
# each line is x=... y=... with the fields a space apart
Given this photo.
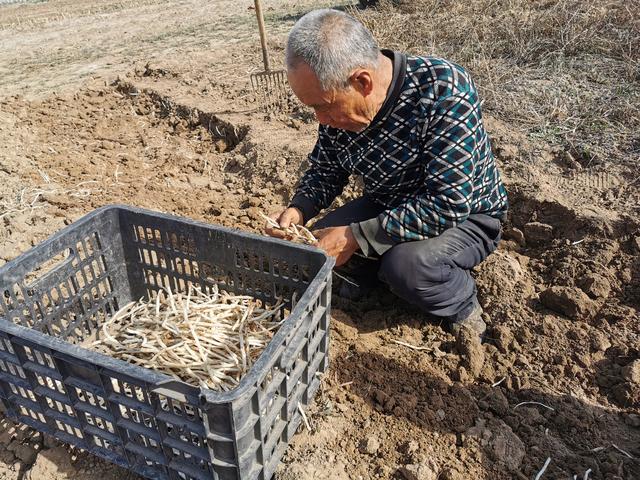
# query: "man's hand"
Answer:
x=338 y=242
x=291 y=215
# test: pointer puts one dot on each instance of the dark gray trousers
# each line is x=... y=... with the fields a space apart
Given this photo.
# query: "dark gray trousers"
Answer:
x=433 y=274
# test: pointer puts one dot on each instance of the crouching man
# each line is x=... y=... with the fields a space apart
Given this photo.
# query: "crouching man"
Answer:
x=412 y=128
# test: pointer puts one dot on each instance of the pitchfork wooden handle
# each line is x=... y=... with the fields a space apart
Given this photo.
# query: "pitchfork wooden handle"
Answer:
x=263 y=35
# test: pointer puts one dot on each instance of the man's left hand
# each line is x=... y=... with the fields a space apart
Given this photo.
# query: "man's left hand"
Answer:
x=338 y=242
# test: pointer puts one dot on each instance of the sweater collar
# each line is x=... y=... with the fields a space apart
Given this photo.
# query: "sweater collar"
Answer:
x=399 y=62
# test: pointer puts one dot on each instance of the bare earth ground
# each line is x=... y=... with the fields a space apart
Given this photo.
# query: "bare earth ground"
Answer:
x=148 y=103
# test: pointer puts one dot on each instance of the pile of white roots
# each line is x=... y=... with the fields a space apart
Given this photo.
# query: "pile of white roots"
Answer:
x=207 y=340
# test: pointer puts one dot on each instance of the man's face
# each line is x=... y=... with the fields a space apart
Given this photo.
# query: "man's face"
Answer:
x=336 y=108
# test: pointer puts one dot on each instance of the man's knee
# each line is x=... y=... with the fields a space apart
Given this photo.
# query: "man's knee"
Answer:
x=409 y=271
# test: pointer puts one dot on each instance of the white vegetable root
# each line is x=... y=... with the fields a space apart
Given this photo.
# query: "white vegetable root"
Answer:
x=209 y=340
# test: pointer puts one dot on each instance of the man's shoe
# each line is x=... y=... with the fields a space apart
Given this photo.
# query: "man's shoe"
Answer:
x=350 y=289
x=473 y=322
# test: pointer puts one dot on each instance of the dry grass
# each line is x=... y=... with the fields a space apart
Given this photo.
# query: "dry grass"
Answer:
x=566 y=71
x=62 y=11
x=29 y=199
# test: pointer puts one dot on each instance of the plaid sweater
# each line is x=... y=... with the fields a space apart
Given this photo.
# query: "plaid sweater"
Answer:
x=426 y=157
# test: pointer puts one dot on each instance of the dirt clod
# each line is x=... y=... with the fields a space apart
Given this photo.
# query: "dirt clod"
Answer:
x=537 y=233
x=595 y=285
x=600 y=342
x=506 y=446
x=498 y=402
x=471 y=351
x=409 y=447
x=26 y=453
x=420 y=471
x=631 y=372
x=369 y=445
x=514 y=234
x=632 y=419
x=499 y=440
x=626 y=394
x=503 y=336
x=569 y=301
x=449 y=473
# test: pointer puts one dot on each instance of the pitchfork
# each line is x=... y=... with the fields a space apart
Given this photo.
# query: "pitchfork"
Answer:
x=270 y=84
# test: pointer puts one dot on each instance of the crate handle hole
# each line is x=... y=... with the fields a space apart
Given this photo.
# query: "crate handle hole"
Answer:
x=49 y=267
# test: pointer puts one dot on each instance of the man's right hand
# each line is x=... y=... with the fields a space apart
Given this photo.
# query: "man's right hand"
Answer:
x=291 y=215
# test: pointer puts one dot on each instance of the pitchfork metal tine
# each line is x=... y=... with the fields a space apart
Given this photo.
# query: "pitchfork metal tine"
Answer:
x=269 y=84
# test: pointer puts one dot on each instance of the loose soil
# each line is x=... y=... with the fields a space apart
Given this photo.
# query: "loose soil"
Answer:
x=171 y=124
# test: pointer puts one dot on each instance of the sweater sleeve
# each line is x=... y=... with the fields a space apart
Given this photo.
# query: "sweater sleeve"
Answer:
x=323 y=181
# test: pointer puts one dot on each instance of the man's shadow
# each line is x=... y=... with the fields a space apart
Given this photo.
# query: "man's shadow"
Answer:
x=577 y=435
x=378 y=306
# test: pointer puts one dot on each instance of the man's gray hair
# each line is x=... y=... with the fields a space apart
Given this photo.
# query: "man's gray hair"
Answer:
x=333 y=44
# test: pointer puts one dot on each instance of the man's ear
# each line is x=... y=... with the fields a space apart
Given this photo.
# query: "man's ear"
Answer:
x=362 y=81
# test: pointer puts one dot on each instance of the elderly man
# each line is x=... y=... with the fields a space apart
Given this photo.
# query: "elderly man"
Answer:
x=411 y=127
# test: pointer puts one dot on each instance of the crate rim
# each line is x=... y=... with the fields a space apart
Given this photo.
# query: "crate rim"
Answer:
x=155 y=380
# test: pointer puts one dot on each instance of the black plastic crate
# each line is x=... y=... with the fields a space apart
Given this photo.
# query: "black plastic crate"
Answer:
x=54 y=296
